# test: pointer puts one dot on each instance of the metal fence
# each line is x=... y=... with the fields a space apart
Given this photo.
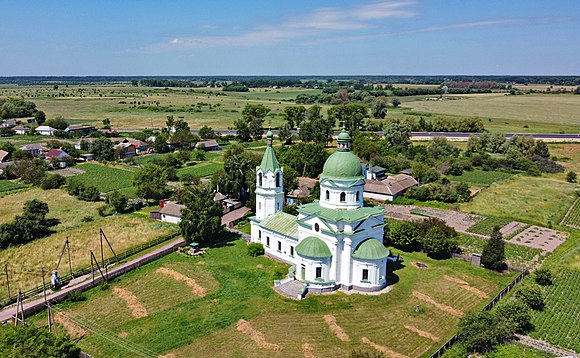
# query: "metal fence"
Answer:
x=66 y=278
x=487 y=307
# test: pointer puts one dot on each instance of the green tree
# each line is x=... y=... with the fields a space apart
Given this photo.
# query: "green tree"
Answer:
x=294 y=115
x=254 y=115
x=206 y=132
x=440 y=147
x=106 y=123
x=290 y=179
x=29 y=341
x=31 y=225
x=201 y=217
x=493 y=254
x=117 y=201
x=57 y=123
x=571 y=177
x=481 y=331
x=307 y=159
x=285 y=133
x=40 y=117
x=437 y=241
x=102 y=149
x=150 y=181
x=315 y=128
x=516 y=312
x=352 y=115
x=532 y=295
x=243 y=130
x=403 y=234
x=543 y=277
x=31 y=171
x=379 y=108
x=395 y=102
x=52 y=181
x=397 y=135
x=238 y=175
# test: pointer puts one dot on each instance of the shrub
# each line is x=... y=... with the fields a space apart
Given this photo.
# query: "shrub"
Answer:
x=255 y=249
x=531 y=294
x=571 y=177
x=52 y=181
x=516 y=312
x=76 y=296
x=481 y=331
x=403 y=234
x=82 y=191
x=543 y=277
x=87 y=219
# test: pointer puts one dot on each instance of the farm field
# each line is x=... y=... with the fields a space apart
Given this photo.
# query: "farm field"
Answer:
x=572 y=218
x=549 y=113
x=481 y=178
x=528 y=199
x=485 y=227
x=8 y=186
x=229 y=286
x=568 y=155
x=558 y=322
x=104 y=178
x=201 y=170
x=24 y=262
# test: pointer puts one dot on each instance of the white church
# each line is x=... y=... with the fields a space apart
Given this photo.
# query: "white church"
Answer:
x=335 y=242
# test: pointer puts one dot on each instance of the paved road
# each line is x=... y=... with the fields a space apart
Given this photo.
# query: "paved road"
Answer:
x=85 y=282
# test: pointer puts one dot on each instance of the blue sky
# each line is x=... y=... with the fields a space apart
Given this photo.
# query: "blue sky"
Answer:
x=297 y=37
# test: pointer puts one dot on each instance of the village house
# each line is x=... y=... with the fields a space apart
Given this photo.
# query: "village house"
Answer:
x=58 y=155
x=207 y=145
x=170 y=211
x=82 y=130
x=20 y=129
x=125 y=150
x=34 y=149
x=8 y=123
x=84 y=143
x=305 y=185
x=389 y=188
x=374 y=172
x=45 y=130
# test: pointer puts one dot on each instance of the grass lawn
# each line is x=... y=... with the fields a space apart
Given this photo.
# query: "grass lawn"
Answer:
x=7 y=186
x=481 y=177
x=105 y=178
x=201 y=170
x=527 y=199
x=239 y=287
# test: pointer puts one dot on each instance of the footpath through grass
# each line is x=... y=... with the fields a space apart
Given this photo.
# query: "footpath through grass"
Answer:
x=235 y=286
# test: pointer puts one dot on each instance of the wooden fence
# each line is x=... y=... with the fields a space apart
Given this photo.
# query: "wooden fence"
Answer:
x=66 y=278
x=487 y=307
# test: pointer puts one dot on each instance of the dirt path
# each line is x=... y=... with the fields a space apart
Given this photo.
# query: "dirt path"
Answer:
x=544 y=346
x=466 y=286
x=195 y=288
x=423 y=333
x=137 y=309
x=335 y=328
x=255 y=335
x=387 y=351
x=72 y=329
x=452 y=311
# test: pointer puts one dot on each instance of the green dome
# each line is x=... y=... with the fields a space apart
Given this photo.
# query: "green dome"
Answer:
x=313 y=247
x=370 y=249
x=269 y=134
x=342 y=165
x=344 y=135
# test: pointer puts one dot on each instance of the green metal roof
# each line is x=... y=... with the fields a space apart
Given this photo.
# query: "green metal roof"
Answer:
x=342 y=164
x=269 y=161
x=282 y=223
x=334 y=215
x=313 y=247
x=370 y=249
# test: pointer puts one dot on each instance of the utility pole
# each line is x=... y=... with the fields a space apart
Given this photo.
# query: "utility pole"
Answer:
x=43 y=284
x=69 y=261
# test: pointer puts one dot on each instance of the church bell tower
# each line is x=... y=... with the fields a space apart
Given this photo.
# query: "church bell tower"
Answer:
x=269 y=183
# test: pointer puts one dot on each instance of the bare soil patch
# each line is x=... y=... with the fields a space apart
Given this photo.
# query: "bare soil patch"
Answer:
x=71 y=328
x=387 y=351
x=452 y=311
x=307 y=350
x=68 y=172
x=456 y=280
x=123 y=334
x=259 y=266
x=457 y=220
x=195 y=288
x=168 y=355
x=423 y=333
x=255 y=335
x=539 y=238
x=335 y=328
x=201 y=262
x=137 y=309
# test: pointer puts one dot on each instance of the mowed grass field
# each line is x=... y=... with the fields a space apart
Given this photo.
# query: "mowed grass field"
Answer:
x=533 y=200
x=181 y=322
x=549 y=113
x=24 y=262
x=104 y=178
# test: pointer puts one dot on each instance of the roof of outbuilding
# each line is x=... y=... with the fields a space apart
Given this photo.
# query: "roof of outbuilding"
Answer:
x=282 y=223
x=313 y=247
x=370 y=249
x=392 y=185
x=171 y=208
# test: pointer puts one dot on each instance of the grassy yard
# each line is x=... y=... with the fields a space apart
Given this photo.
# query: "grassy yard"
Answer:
x=237 y=286
x=527 y=199
x=104 y=178
x=201 y=170
x=481 y=178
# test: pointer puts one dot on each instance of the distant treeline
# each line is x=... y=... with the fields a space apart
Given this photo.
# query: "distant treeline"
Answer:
x=285 y=81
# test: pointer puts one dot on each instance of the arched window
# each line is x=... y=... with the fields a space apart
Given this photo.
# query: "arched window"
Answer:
x=327 y=195
x=357 y=194
x=342 y=197
x=260 y=179
x=316 y=227
x=277 y=180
